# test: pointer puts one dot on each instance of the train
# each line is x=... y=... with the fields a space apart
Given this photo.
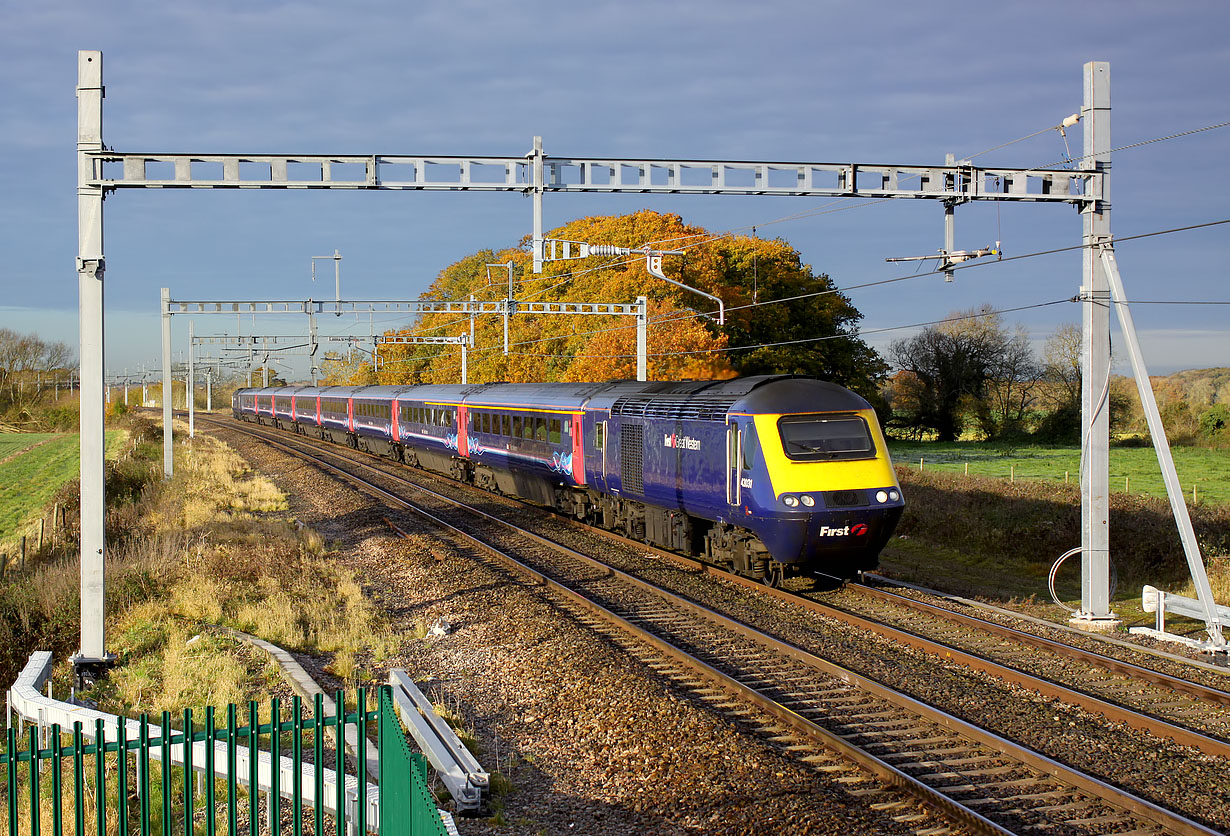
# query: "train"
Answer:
x=768 y=476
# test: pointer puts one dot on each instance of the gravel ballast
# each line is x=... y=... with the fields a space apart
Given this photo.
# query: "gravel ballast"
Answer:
x=590 y=740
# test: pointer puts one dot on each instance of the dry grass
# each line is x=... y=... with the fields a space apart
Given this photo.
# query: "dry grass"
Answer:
x=224 y=555
x=999 y=538
x=1218 y=568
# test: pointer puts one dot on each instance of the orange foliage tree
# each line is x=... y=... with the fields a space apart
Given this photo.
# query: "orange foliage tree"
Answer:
x=781 y=316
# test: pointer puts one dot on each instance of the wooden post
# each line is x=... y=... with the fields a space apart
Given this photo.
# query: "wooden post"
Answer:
x=1066 y=478
x=42 y=523
x=1193 y=494
x=23 y=552
x=920 y=465
x=967 y=468
x=1012 y=473
x=55 y=524
x=1127 y=484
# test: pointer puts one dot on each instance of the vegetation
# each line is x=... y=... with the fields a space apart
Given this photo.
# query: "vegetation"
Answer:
x=39 y=608
x=213 y=546
x=29 y=371
x=1132 y=469
x=781 y=315
x=989 y=537
x=32 y=473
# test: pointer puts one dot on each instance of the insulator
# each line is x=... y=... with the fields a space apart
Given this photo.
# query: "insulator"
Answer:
x=607 y=249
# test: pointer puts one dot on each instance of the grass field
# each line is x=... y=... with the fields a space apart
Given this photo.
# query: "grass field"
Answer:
x=29 y=479
x=1134 y=469
x=13 y=443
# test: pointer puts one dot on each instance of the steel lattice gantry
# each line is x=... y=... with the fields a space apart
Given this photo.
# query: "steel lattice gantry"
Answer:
x=312 y=308
x=102 y=170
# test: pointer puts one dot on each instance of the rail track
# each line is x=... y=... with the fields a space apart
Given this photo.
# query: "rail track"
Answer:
x=807 y=705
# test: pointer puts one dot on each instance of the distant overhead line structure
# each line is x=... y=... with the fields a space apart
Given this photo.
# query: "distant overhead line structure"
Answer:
x=102 y=170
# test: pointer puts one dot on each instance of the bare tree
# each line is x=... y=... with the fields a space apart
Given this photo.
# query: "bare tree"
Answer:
x=24 y=360
x=968 y=364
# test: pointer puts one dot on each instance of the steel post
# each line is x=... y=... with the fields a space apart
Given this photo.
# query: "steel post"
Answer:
x=168 y=440
x=190 y=395
x=90 y=268
x=642 y=338
x=1174 y=492
x=536 y=193
x=313 y=346
x=1095 y=360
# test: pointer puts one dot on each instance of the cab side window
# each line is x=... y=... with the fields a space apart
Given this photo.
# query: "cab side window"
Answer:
x=750 y=447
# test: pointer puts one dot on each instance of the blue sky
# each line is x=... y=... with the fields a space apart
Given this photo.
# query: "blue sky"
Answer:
x=815 y=81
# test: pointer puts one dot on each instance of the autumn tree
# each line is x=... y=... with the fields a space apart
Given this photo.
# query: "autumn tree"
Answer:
x=782 y=317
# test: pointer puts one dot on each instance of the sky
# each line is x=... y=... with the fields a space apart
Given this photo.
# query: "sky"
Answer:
x=890 y=82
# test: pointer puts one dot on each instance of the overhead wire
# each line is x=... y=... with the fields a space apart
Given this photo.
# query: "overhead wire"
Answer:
x=677 y=316
x=843 y=205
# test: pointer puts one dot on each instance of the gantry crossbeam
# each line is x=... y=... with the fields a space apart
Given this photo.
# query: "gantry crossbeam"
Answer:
x=463 y=307
x=118 y=170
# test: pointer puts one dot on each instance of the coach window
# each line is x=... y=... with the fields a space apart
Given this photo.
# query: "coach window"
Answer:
x=750 y=446
x=598 y=440
x=540 y=428
x=516 y=426
x=554 y=430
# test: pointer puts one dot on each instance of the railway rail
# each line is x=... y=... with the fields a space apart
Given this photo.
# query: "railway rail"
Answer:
x=981 y=781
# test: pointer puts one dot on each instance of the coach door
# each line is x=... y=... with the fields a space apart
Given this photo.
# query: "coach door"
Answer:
x=734 y=445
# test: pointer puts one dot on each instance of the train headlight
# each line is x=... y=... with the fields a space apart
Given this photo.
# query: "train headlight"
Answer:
x=894 y=496
x=791 y=501
x=809 y=501
x=881 y=496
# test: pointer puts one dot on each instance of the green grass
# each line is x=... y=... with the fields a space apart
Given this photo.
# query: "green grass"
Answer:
x=12 y=443
x=1132 y=468
x=31 y=478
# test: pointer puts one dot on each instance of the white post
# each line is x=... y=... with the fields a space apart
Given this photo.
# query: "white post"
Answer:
x=90 y=268
x=642 y=338
x=209 y=389
x=191 y=391
x=539 y=187
x=168 y=441
x=1095 y=361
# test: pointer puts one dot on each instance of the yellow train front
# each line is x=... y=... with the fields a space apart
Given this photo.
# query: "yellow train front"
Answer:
x=776 y=475
x=815 y=480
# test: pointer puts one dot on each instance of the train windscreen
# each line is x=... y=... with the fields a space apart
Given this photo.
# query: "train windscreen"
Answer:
x=814 y=438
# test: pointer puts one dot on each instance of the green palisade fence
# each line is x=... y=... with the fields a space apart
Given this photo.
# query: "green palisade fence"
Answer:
x=67 y=784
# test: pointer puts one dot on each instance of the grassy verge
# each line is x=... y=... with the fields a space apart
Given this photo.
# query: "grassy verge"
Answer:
x=33 y=472
x=226 y=553
x=1132 y=469
x=993 y=539
x=12 y=443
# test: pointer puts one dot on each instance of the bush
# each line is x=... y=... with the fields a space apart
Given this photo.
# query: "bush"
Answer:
x=1063 y=426
x=1214 y=422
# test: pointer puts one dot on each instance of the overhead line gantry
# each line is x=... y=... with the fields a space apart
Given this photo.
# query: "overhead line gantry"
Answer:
x=102 y=170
